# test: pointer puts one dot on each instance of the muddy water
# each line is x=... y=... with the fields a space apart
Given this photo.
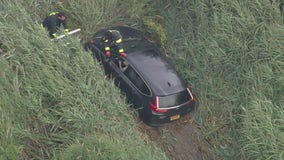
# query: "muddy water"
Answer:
x=180 y=140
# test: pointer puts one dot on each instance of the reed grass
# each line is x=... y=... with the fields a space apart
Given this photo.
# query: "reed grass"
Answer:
x=230 y=52
x=55 y=104
x=54 y=100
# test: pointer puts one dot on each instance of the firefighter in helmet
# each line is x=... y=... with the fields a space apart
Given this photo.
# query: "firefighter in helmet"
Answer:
x=53 y=22
x=113 y=42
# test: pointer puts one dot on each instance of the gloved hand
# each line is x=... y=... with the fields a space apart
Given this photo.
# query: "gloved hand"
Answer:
x=66 y=31
x=123 y=54
x=54 y=35
x=108 y=54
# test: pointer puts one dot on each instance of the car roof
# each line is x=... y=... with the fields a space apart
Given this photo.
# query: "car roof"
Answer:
x=147 y=59
x=154 y=67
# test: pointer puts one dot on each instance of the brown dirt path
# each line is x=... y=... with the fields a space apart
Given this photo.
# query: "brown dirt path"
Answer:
x=180 y=140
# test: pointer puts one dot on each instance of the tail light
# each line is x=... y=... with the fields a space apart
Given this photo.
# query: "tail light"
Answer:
x=155 y=106
x=190 y=92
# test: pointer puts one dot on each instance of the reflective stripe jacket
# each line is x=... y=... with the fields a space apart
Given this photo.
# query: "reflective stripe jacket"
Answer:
x=113 y=42
x=52 y=23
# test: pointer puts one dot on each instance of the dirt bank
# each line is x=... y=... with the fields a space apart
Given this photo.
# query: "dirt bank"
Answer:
x=180 y=140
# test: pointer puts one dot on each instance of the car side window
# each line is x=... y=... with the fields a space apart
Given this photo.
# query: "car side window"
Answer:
x=134 y=77
x=122 y=64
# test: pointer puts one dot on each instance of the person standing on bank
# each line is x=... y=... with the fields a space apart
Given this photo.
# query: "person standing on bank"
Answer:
x=53 y=22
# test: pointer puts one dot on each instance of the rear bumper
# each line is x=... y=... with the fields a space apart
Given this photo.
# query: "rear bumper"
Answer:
x=158 y=119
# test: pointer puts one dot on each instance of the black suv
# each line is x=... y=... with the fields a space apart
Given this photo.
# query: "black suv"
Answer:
x=146 y=76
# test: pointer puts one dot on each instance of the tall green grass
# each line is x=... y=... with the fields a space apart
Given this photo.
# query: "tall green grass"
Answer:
x=54 y=103
x=54 y=100
x=231 y=53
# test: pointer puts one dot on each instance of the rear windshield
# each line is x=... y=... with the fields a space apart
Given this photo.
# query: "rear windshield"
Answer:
x=174 y=99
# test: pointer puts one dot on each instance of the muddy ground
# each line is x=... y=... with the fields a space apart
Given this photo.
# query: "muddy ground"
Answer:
x=180 y=140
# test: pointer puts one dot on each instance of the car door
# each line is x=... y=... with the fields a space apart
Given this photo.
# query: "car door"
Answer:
x=139 y=90
x=120 y=79
x=123 y=80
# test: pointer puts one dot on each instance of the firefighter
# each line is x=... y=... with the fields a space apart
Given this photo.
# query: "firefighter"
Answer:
x=53 y=22
x=113 y=42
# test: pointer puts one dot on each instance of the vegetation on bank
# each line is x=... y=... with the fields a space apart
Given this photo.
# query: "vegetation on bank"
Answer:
x=55 y=103
x=54 y=100
x=232 y=53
